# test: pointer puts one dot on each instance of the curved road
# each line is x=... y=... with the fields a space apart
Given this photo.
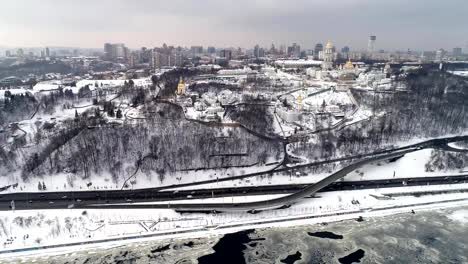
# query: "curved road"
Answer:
x=93 y=199
x=308 y=191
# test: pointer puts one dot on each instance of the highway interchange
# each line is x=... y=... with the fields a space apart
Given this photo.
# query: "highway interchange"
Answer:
x=294 y=192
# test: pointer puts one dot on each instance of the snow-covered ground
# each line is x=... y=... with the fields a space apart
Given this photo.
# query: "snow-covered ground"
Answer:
x=412 y=165
x=330 y=98
x=54 y=85
x=22 y=229
x=459 y=216
x=61 y=181
x=460 y=73
x=360 y=115
x=143 y=82
x=13 y=92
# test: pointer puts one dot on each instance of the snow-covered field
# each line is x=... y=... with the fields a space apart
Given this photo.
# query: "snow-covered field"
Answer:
x=54 y=85
x=412 y=165
x=330 y=98
x=22 y=229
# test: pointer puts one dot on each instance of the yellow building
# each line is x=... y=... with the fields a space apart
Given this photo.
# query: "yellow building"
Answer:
x=181 y=87
x=300 y=99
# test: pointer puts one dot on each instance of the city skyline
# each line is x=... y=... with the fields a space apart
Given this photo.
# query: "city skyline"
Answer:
x=87 y=24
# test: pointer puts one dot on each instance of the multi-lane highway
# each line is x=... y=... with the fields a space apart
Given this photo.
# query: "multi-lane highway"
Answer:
x=64 y=199
x=127 y=198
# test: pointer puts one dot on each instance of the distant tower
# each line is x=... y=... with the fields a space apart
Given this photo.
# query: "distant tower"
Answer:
x=328 y=56
x=371 y=44
x=47 y=52
x=256 y=51
x=20 y=53
x=457 y=52
x=318 y=48
x=440 y=54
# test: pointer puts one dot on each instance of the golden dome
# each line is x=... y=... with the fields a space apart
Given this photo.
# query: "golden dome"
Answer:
x=349 y=65
x=329 y=45
x=300 y=99
x=181 y=86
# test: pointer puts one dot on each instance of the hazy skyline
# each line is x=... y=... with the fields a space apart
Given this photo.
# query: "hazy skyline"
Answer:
x=398 y=24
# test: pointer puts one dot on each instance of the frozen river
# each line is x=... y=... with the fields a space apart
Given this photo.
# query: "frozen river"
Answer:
x=415 y=237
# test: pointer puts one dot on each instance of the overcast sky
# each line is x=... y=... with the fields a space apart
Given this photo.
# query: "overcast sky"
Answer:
x=398 y=24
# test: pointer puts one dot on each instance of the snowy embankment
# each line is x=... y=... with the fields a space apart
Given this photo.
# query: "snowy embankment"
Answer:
x=24 y=229
x=71 y=182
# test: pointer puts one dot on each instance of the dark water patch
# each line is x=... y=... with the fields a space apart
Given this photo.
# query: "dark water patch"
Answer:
x=292 y=258
x=354 y=257
x=229 y=249
x=325 y=234
x=161 y=249
x=189 y=244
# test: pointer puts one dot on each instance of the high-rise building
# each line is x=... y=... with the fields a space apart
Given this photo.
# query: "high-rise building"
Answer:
x=345 y=49
x=273 y=49
x=7 y=53
x=371 y=44
x=115 y=51
x=145 y=55
x=119 y=50
x=256 y=52
x=42 y=54
x=294 y=50
x=107 y=51
x=457 y=52
x=227 y=54
x=318 y=48
x=166 y=57
x=261 y=53
x=211 y=50
x=196 y=50
x=47 y=52
x=428 y=55
x=159 y=59
x=132 y=59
